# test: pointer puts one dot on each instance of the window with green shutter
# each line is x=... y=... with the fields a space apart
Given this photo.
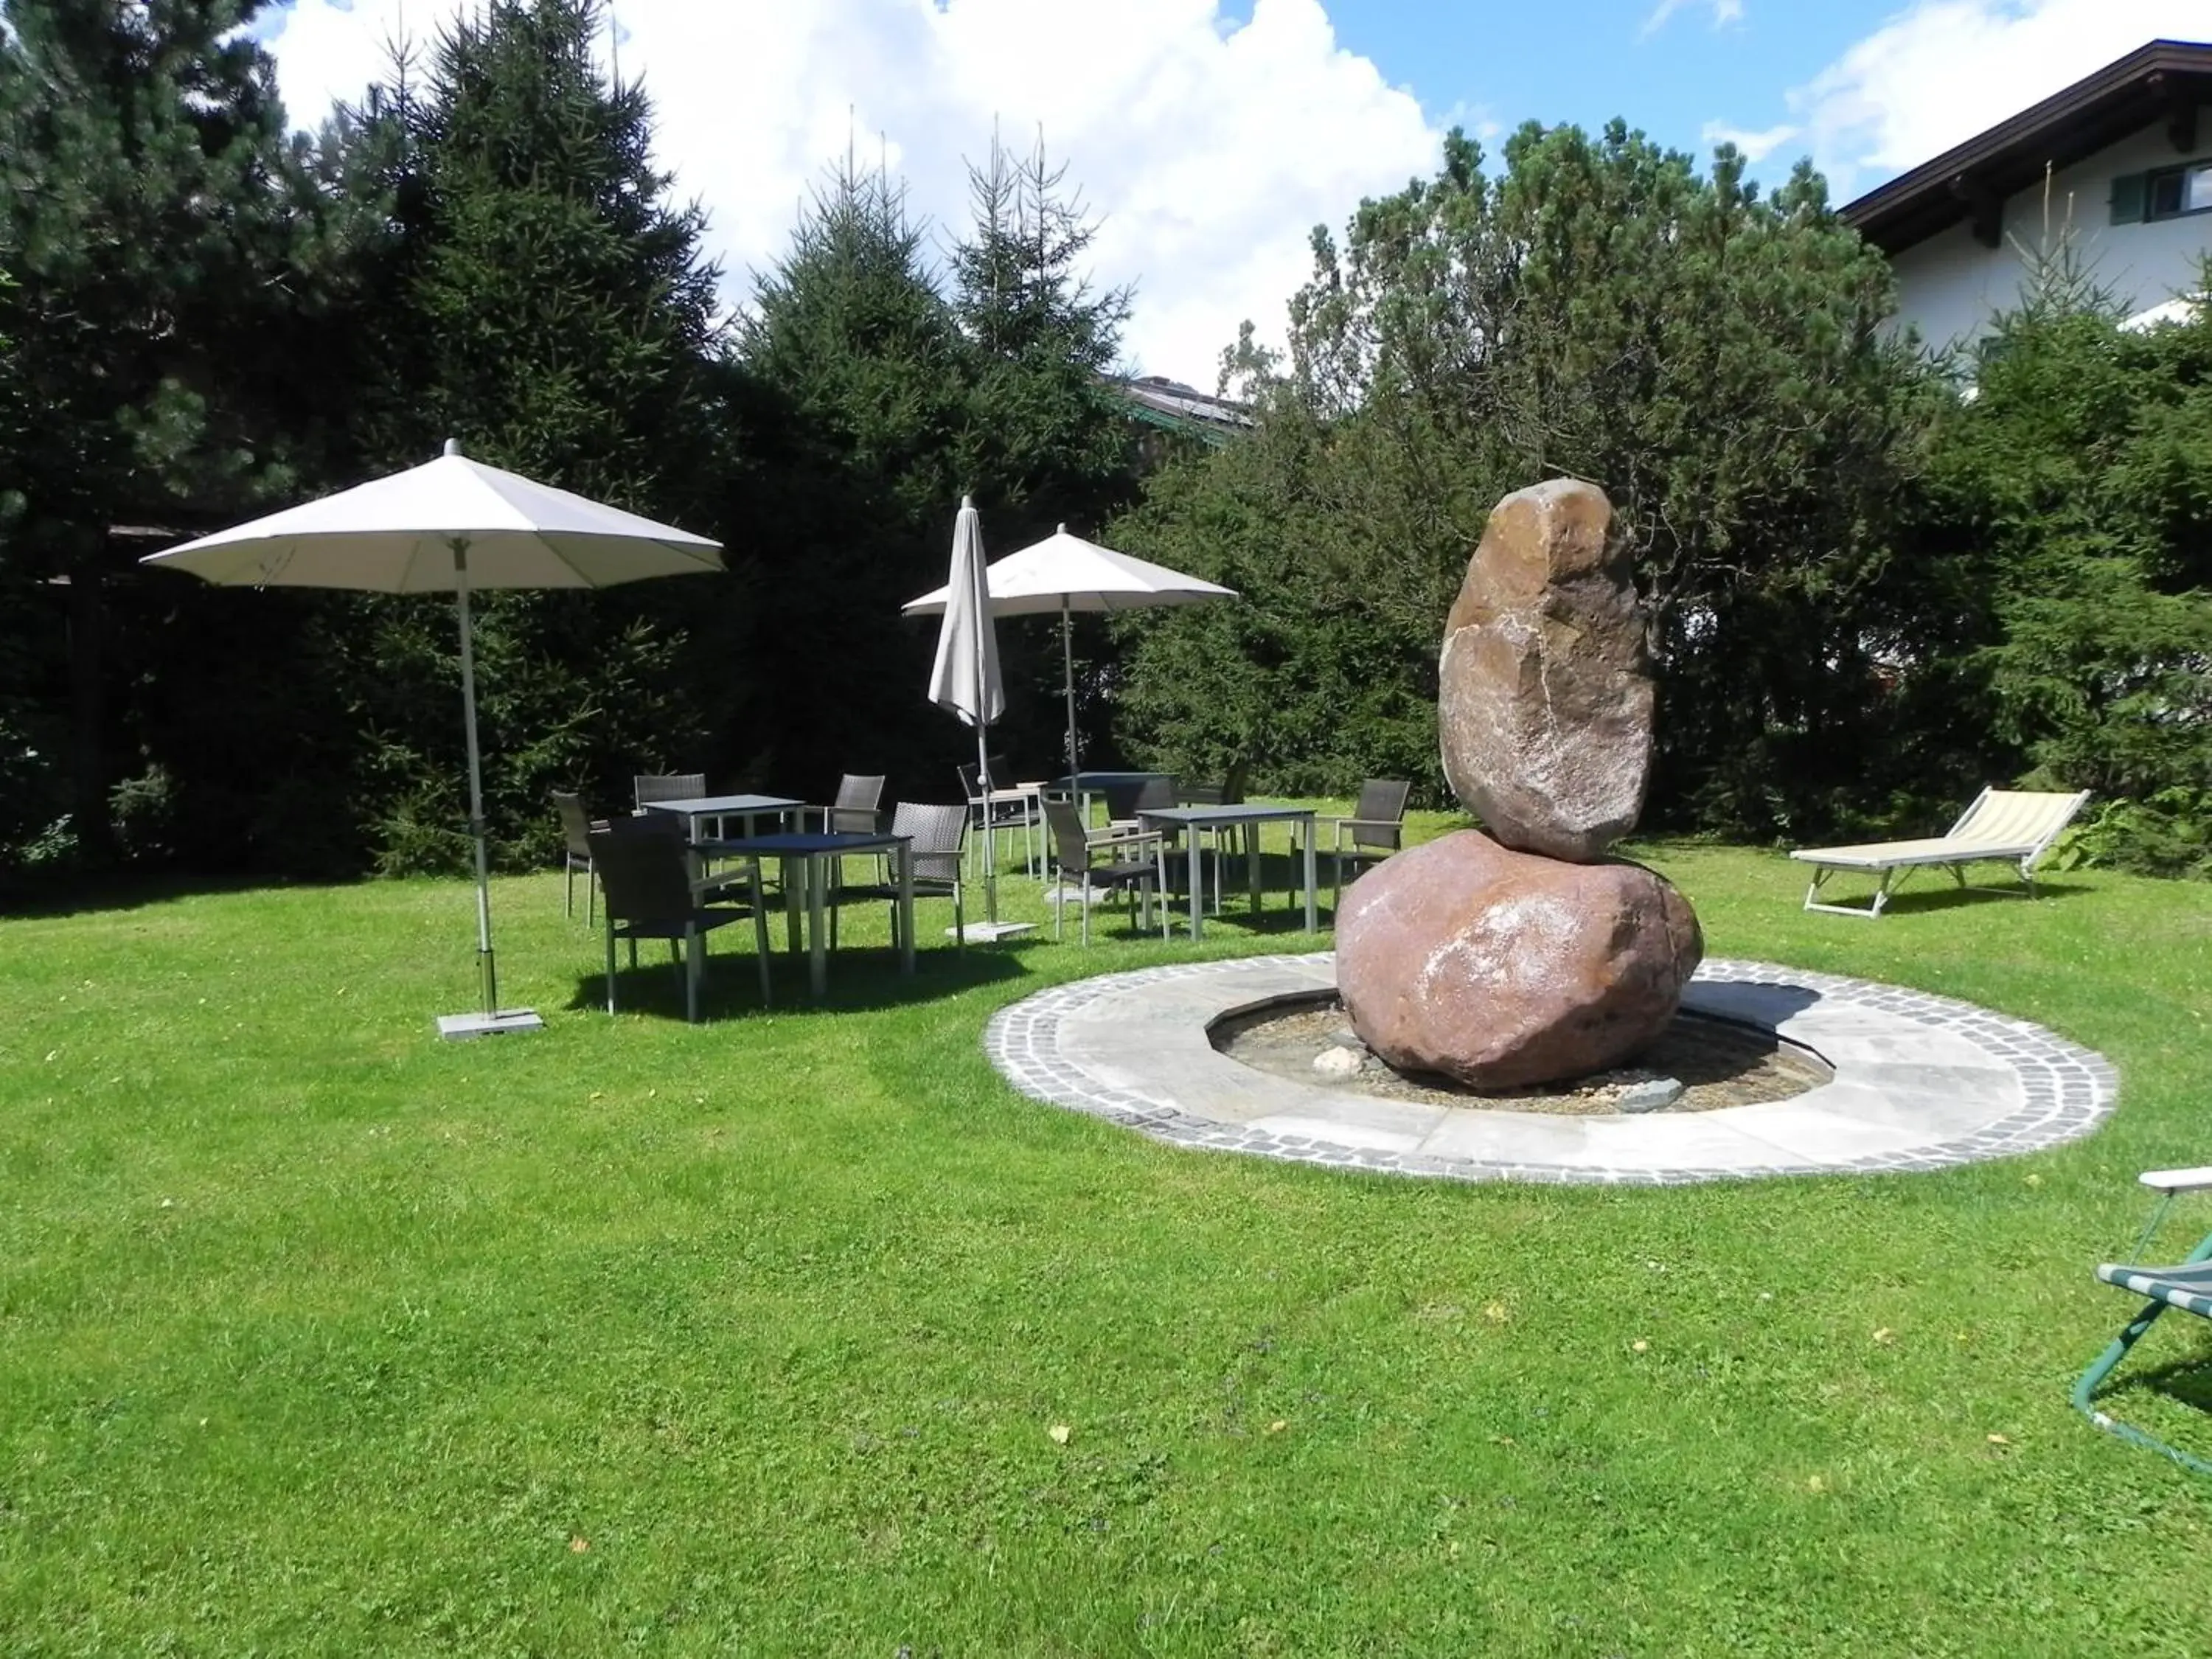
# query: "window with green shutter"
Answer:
x=2163 y=193
x=2128 y=189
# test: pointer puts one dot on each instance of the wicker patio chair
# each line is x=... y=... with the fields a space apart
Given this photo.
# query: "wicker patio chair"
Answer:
x=939 y=835
x=576 y=852
x=1377 y=826
x=650 y=894
x=668 y=786
x=1132 y=867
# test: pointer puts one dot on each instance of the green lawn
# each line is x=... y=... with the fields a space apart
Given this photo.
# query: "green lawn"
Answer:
x=320 y=1336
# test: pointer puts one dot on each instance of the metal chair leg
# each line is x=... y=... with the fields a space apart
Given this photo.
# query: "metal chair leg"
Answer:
x=760 y=949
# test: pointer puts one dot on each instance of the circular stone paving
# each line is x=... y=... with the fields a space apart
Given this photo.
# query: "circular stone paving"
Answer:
x=1920 y=1083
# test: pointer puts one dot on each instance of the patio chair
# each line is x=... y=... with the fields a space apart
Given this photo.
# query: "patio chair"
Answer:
x=668 y=786
x=1230 y=792
x=1075 y=850
x=649 y=893
x=2187 y=1286
x=939 y=835
x=1006 y=808
x=1127 y=799
x=856 y=812
x=576 y=853
x=2002 y=826
x=1378 y=827
x=856 y=809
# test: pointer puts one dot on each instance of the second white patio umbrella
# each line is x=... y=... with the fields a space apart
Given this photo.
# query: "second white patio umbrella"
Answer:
x=1065 y=574
x=449 y=527
x=964 y=678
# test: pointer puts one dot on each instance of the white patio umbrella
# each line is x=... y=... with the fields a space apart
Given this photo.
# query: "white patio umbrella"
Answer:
x=964 y=678
x=449 y=526
x=1065 y=574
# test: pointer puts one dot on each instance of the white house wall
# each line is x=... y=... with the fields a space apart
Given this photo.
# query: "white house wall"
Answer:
x=1950 y=285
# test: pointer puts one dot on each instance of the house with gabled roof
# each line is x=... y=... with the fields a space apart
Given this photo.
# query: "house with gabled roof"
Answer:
x=2120 y=163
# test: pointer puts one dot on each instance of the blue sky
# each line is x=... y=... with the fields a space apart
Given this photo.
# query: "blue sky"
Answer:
x=1587 y=61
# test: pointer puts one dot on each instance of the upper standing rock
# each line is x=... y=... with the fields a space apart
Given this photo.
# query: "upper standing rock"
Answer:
x=1545 y=707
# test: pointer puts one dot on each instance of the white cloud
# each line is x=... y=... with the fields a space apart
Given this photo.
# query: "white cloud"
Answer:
x=1756 y=146
x=1942 y=70
x=1209 y=149
x=1724 y=11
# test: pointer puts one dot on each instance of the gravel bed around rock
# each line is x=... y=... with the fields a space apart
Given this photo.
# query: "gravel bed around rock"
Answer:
x=1719 y=1062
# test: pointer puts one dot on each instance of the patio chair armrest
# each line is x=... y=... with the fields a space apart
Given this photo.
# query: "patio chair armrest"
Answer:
x=1343 y=824
x=1120 y=837
x=2176 y=1181
x=747 y=870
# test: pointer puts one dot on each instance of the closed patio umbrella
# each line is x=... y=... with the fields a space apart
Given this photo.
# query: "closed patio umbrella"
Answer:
x=1065 y=574
x=964 y=678
x=449 y=526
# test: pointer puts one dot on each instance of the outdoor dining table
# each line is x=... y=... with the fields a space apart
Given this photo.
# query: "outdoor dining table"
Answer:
x=1190 y=820
x=1083 y=786
x=748 y=809
x=812 y=857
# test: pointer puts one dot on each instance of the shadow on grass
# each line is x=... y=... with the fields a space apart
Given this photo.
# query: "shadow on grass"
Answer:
x=860 y=978
x=84 y=894
x=1929 y=900
x=2183 y=1382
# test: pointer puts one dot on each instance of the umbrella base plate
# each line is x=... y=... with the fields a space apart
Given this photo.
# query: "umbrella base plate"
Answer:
x=989 y=932
x=477 y=1025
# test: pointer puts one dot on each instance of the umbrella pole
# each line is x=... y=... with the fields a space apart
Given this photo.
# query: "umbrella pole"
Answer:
x=990 y=851
x=491 y=1019
x=1067 y=677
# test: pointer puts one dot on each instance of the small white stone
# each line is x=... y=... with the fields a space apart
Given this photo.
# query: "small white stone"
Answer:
x=1338 y=1062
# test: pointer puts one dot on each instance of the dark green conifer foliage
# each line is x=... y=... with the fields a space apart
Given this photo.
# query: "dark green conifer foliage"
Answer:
x=152 y=213
x=856 y=394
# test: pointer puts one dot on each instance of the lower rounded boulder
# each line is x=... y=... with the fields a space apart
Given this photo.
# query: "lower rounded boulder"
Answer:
x=1502 y=969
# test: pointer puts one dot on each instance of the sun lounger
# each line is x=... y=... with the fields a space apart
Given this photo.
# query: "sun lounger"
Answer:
x=2007 y=826
x=2187 y=1286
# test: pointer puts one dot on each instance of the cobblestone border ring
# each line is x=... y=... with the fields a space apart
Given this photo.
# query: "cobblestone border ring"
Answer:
x=1921 y=1082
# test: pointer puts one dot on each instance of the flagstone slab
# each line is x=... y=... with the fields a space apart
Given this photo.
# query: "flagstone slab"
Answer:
x=1920 y=1082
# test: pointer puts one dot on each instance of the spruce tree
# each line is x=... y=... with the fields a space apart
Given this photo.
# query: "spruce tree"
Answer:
x=1047 y=436
x=857 y=385
x=545 y=302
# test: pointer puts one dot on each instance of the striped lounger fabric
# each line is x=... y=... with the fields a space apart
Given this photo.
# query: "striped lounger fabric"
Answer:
x=2006 y=826
x=2188 y=1289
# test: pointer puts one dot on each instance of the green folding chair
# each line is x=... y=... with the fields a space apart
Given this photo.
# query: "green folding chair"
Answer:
x=2187 y=1286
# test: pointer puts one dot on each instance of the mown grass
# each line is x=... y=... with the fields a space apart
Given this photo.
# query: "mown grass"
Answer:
x=319 y=1336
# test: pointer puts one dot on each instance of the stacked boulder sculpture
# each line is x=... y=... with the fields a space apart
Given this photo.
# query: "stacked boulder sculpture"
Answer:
x=1526 y=955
